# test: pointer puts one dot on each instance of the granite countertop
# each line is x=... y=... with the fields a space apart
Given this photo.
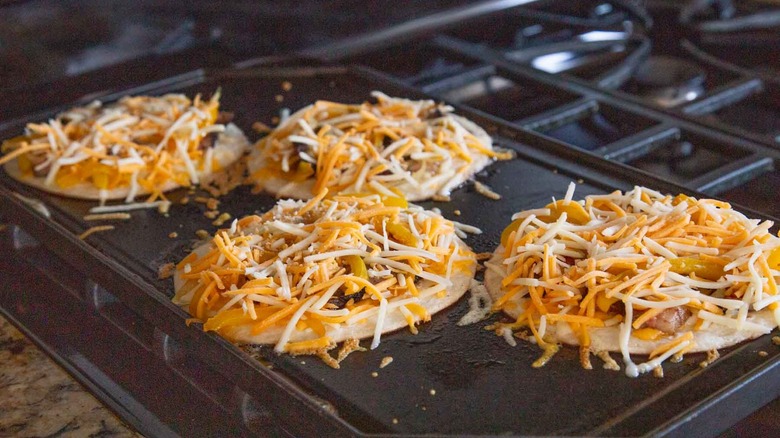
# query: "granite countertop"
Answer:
x=38 y=398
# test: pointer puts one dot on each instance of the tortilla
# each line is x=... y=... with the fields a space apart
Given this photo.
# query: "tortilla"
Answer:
x=135 y=123
x=606 y=338
x=262 y=231
x=424 y=169
x=586 y=266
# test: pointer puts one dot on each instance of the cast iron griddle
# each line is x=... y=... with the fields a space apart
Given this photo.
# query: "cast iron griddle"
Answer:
x=447 y=379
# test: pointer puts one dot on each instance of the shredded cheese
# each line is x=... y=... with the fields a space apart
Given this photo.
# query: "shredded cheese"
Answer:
x=96 y=229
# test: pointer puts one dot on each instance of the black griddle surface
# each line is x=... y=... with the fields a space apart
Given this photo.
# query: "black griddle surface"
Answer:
x=447 y=379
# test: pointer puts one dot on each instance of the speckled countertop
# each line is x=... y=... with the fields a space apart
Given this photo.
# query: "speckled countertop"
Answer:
x=38 y=398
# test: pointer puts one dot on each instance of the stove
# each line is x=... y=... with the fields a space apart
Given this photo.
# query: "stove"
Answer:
x=608 y=93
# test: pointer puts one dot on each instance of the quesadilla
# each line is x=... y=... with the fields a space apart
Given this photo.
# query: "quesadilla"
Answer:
x=139 y=145
x=306 y=275
x=638 y=273
x=418 y=147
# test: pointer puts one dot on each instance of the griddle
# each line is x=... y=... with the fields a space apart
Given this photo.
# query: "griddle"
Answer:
x=447 y=380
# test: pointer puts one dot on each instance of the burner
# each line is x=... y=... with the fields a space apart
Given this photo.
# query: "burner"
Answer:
x=669 y=81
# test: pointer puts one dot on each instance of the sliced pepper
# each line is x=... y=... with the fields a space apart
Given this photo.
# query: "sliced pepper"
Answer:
x=395 y=201
x=575 y=213
x=390 y=201
x=303 y=172
x=357 y=266
x=67 y=178
x=401 y=234
x=14 y=143
x=101 y=176
x=604 y=303
x=25 y=165
x=227 y=318
x=774 y=259
x=508 y=231
x=689 y=265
